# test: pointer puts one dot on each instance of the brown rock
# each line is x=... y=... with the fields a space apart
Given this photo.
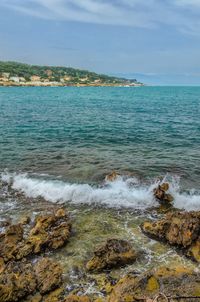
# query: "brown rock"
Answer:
x=112 y=176
x=170 y=281
x=74 y=298
x=25 y=220
x=48 y=274
x=55 y=296
x=115 y=252
x=34 y=298
x=194 y=250
x=2 y=265
x=179 y=228
x=16 y=281
x=9 y=241
x=49 y=232
x=161 y=195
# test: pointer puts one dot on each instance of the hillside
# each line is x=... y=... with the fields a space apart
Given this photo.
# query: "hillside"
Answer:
x=19 y=74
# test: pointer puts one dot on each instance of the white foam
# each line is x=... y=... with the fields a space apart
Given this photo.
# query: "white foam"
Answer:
x=127 y=193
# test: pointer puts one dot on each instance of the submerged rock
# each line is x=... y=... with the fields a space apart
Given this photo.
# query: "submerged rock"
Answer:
x=179 y=228
x=174 y=282
x=115 y=252
x=161 y=195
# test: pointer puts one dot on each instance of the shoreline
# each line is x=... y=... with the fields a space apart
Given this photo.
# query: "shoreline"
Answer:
x=66 y=85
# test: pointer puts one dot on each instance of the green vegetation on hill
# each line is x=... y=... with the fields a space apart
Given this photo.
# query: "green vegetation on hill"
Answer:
x=59 y=74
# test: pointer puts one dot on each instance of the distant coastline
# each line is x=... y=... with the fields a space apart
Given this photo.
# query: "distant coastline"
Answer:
x=19 y=74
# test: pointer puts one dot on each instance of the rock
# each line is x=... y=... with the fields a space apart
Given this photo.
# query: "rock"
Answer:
x=179 y=228
x=74 y=298
x=25 y=220
x=16 y=281
x=55 y=296
x=115 y=252
x=9 y=241
x=23 y=280
x=48 y=274
x=2 y=265
x=161 y=195
x=112 y=176
x=194 y=250
x=49 y=232
x=34 y=298
x=178 y=281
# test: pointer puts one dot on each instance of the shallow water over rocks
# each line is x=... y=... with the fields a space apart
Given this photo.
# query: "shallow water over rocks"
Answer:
x=92 y=225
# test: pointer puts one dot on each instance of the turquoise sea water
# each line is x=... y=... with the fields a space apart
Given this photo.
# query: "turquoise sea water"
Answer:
x=67 y=139
x=82 y=133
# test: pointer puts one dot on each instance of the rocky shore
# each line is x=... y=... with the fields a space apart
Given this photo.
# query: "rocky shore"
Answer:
x=28 y=272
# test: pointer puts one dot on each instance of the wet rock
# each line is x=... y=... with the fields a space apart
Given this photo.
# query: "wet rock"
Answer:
x=115 y=252
x=16 y=281
x=112 y=176
x=34 y=298
x=9 y=241
x=48 y=274
x=161 y=194
x=25 y=220
x=55 y=296
x=179 y=228
x=74 y=298
x=49 y=232
x=194 y=250
x=2 y=265
x=23 y=280
x=178 y=281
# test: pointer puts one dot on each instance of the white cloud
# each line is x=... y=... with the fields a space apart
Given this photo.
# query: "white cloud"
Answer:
x=136 y=13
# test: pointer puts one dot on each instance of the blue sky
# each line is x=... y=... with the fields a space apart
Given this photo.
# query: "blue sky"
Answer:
x=157 y=41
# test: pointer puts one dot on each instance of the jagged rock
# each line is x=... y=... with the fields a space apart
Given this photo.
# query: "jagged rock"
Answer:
x=112 y=176
x=9 y=241
x=178 y=281
x=34 y=298
x=48 y=274
x=16 y=281
x=74 y=298
x=20 y=280
x=49 y=232
x=161 y=195
x=25 y=220
x=55 y=296
x=194 y=250
x=179 y=228
x=115 y=252
x=2 y=265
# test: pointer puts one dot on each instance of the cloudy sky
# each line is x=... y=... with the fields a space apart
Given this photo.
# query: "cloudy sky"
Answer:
x=157 y=40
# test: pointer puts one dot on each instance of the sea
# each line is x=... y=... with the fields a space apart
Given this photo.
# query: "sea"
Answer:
x=57 y=144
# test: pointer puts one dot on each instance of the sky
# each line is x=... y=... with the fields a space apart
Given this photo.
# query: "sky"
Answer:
x=156 y=41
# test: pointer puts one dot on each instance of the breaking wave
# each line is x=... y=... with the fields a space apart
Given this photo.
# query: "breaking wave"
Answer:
x=121 y=193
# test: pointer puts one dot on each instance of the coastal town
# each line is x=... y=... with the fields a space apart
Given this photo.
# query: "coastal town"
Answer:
x=18 y=74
